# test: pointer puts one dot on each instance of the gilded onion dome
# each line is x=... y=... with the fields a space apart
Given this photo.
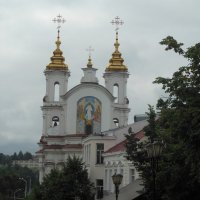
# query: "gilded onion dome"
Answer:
x=57 y=60
x=116 y=62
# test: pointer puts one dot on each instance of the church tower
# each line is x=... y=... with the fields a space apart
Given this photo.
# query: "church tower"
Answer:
x=57 y=75
x=116 y=75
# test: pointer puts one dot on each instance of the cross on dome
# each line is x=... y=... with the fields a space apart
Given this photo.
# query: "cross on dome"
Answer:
x=59 y=20
x=117 y=22
x=89 y=49
x=57 y=60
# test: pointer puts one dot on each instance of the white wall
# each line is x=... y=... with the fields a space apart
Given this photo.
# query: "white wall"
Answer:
x=88 y=90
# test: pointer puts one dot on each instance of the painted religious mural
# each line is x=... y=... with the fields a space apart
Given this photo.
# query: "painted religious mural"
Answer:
x=88 y=115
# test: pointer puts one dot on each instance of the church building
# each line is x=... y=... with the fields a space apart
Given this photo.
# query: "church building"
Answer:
x=88 y=120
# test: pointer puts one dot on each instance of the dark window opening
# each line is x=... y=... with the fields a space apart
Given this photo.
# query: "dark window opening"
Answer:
x=100 y=150
x=55 y=121
x=116 y=121
x=99 y=186
x=88 y=129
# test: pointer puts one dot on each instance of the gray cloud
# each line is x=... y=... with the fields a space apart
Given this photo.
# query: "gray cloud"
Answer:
x=27 y=42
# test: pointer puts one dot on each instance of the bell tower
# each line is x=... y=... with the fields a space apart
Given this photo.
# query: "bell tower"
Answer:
x=116 y=75
x=57 y=75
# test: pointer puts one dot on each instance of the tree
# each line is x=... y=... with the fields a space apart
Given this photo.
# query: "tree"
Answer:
x=9 y=179
x=180 y=122
x=27 y=156
x=136 y=151
x=68 y=183
x=20 y=155
x=178 y=177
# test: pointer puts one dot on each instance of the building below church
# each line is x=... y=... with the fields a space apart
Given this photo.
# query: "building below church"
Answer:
x=88 y=120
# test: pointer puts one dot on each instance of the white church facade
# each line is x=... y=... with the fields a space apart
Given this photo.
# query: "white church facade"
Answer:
x=87 y=120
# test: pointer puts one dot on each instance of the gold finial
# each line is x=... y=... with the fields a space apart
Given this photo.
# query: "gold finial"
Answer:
x=89 y=64
x=116 y=62
x=57 y=60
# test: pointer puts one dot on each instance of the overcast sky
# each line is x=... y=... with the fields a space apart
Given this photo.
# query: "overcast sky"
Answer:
x=27 y=41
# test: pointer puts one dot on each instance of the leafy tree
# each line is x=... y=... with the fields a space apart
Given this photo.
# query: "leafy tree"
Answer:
x=68 y=183
x=10 y=182
x=5 y=159
x=14 y=156
x=27 y=156
x=20 y=155
x=180 y=121
x=136 y=151
x=178 y=177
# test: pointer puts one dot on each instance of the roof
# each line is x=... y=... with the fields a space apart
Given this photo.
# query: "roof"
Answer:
x=65 y=136
x=129 y=192
x=121 y=146
x=66 y=146
x=88 y=86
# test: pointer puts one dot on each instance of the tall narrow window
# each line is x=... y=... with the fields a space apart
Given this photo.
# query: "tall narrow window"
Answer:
x=99 y=186
x=100 y=150
x=56 y=91
x=116 y=92
x=132 y=175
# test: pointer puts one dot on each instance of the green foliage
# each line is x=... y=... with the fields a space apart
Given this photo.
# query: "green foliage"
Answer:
x=171 y=43
x=5 y=159
x=180 y=120
x=10 y=182
x=68 y=183
x=21 y=156
x=136 y=151
x=10 y=174
x=178 y=175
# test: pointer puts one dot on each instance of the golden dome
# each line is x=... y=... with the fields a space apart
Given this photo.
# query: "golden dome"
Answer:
x=57 y=60
x=116 y=62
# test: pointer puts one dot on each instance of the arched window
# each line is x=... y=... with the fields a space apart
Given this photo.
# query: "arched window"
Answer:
x=116 y=92
x=56 y=91
x=55 y=121
x=116 y=121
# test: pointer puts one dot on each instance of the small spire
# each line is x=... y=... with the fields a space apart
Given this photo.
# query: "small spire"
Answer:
x=116 y=62
x=116 y=43
x=89 y=64
x=57 y=60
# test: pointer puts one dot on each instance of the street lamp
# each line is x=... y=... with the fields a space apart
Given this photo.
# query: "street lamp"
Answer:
x=93 y=191
x=154 y=151
x=29 y=189
x=25 y=181
x=117 y=179
x=17 y=190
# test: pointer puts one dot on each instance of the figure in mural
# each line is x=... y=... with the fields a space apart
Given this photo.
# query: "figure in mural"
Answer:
x=88 y=115
x=89 y=112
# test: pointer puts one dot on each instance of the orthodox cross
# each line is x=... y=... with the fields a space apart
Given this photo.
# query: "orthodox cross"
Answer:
x=90 y=49
x=117 y=22
x=59 y=20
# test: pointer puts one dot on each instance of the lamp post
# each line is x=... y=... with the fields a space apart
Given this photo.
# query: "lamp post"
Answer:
x=29 y=189
x=154 y=151
x=17 y=190
x=93 y=192
x=117 y=179
x=25 y=181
